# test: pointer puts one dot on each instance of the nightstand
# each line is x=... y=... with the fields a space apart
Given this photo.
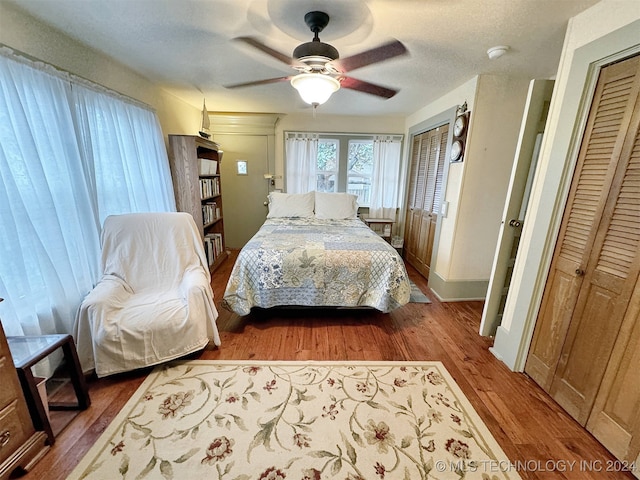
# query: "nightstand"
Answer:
x=382 y=226
x=26 y=352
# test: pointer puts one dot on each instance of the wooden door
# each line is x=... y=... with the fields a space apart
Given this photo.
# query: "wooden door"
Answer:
x=244 y=195
x=415 y=196
x=614 y=419
x=596 y=262
x=425 y=196
x=513 y=216
x=433 y=202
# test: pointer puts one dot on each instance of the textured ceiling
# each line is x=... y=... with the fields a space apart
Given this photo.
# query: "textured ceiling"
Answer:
x=187 y=47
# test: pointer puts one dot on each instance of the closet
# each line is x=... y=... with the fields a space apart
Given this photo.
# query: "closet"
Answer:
x=586 y=347
x=424 y=196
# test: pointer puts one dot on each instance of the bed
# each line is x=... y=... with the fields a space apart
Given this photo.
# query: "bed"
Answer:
x=316 y=254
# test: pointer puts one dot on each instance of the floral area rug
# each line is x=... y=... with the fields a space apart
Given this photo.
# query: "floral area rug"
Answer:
x=297 y=421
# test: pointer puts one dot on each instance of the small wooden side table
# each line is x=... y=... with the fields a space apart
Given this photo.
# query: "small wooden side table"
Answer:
x=26 y=352
x=382 y=226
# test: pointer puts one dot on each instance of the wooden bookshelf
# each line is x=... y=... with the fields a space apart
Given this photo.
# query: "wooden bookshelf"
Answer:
x=198 y=190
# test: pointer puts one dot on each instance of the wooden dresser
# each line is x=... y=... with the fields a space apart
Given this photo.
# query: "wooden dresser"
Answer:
x=20 y=445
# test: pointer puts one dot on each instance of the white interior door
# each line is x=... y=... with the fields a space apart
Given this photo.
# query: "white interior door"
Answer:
x=533 y=124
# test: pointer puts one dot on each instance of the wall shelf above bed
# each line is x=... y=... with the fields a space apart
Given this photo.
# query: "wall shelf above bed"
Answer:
x=195 y=170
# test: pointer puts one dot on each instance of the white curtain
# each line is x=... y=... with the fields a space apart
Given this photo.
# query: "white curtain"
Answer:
x=124 y=152
x=69 y=156
x=301 y=151
x=385 y=180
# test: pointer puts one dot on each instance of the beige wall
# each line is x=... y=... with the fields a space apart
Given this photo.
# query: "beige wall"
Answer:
x=476 y=188
x=605 y=32
x=25 y=34
x=456 y=97
x=464 y=93
x=491 y=146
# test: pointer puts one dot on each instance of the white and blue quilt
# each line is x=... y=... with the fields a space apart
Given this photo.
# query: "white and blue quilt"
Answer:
x=313 y=262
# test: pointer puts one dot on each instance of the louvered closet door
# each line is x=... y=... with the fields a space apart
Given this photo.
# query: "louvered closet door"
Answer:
x=425 y=239
x=433 y=191
x=425 y=191
x=614 y=419
x=596 y=262
x=416 y=196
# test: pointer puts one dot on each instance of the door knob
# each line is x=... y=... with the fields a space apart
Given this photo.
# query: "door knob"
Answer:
x=579 y=272
x=515 y=223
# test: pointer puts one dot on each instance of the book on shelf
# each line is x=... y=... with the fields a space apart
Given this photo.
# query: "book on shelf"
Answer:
x=209 y=187
x=210 y=212
x=213 y=246
x=208 y=167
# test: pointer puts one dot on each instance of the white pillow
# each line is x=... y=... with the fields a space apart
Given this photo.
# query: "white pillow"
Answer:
x=290 y=204
x=336 y=205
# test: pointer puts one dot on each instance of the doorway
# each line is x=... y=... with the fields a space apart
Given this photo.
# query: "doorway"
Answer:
x=245 y=192
x=526 y=158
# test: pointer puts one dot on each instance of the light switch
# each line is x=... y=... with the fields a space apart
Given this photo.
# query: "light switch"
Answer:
x=444 y=209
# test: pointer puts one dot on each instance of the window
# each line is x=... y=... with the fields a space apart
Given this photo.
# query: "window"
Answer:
x=360 y=170
x=327 y=165
x=72 y=153
x=345 y=165
x=349 y=163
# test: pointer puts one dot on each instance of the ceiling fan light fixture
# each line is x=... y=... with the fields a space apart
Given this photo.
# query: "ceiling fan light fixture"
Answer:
x=315 y=88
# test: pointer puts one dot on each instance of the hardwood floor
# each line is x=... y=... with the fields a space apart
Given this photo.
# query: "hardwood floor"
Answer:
x=535 y=433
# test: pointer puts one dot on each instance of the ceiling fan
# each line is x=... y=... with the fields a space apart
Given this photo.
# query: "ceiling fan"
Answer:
x=320 y=69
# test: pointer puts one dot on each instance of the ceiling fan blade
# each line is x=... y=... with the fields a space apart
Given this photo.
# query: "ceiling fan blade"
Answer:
x=375 y=55
x=366 y=87
x=258 y=82
x=255 y=43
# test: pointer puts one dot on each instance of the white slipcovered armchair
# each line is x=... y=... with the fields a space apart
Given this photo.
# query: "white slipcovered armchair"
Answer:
x=154 y=302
